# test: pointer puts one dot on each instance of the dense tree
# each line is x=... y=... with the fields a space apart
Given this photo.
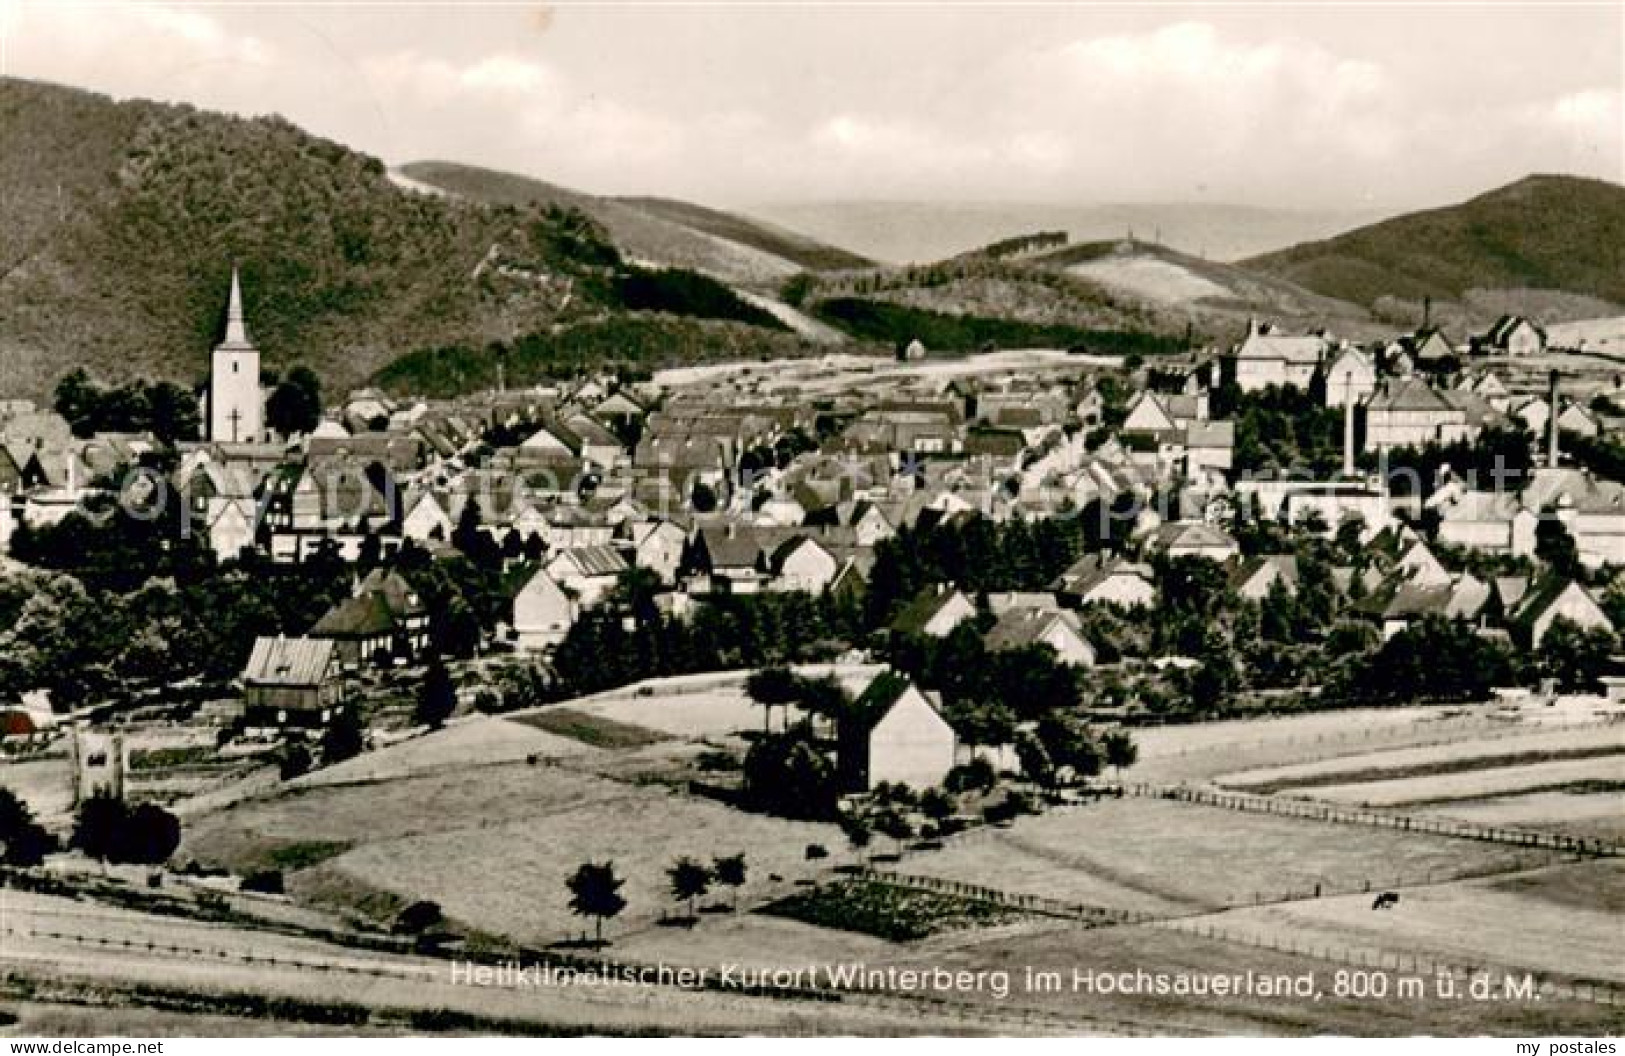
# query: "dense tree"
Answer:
x=162 y=408
x=689 y=880
x=1433 y=659
x=1574 y=656
x=595 y=891
x=24 y=842
x=1119 y=750
x=344 y=737
x=773 y=687
x=786 y=774
x=111 y=830
x=730 y=871
x=437 y=697
x=295 y=405
x=1555 y=545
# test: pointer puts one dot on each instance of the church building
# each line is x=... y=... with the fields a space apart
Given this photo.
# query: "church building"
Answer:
x=236 y=407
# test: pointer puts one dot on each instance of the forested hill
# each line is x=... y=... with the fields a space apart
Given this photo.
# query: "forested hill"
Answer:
x=1560 y=234
x=122 y=221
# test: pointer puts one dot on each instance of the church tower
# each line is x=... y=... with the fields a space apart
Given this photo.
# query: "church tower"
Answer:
x=236 y=411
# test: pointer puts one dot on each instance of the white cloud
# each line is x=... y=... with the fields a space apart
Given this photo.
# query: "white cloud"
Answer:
x=1271 y=113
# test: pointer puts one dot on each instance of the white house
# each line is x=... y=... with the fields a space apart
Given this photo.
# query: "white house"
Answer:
x=1058 y=629
x=1351 y=377
x=894 y=734
x=658 y=547
x=589 y=572
x=1268 y=358
x=1099 y=579
x=802 y=563
x=1557 y=598
x=542 y=613
x=1194 y=539
x=936 y=612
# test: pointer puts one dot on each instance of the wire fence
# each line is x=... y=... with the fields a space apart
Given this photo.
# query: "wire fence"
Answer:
x=1254 y=803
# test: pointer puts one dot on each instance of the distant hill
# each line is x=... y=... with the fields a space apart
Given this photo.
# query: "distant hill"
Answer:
x=904 y=232
x=1210 y=292
x=122 y=221
x=1552 y=245
x=660 y=231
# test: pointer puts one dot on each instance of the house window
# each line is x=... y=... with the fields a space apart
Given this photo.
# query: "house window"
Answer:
x=234 y=367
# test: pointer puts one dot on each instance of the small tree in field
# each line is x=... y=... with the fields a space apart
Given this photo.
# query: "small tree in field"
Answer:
x=595 y=891
x=937 y=805
x=730 y=873
x=1121 y=751
x=773 y=687
x=689 y=880
x=437 y=697
x=894 y=824
x=858 y=833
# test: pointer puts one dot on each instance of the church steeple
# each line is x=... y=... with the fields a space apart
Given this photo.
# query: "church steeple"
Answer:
x=236 y=406
x=236 y=329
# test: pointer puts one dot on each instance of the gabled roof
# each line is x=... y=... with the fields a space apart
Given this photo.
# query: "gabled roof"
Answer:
x=1542 y=595
x=363 y=616
x=1264 y=345
x=924 y=608
x=1284 y=565
x=1091 y=570
x=1410 y=395
x=289 y=662
x=1210 y=434
x=593 y=560
x=1021 y=627
x=872 y=705
x=401 y=597
x=1191 y=534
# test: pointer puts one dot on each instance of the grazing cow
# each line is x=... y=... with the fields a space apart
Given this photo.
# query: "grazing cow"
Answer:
x=1386 y=900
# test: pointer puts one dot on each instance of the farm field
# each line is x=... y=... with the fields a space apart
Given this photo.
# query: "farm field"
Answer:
x=1138 y=854
x=697 y=709
x=1139 y=948
x=46 y=785
x=291 y=825
x=1502 y=922
x=1473 y=784
x=1587 y=815
x=1474 y=753
x=1204 y=751
x=386 y=985
x=493 y=847
x=507 y=877
x=480 y=741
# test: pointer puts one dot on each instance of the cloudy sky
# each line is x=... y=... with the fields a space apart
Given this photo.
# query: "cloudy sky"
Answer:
x=1319 y=106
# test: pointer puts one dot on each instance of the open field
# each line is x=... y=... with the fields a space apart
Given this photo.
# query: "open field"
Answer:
x=1150 y=278
x=1474 y=784
x=703 y=707
x=1205 y=751
x=253 y=834
x=1585 y=814
x=1130 y=949
x=212 y=970
x=493 y=848
x=1503 y=922
x=1471 y=753
x=595 y=731
x=480 y=741
x=45 y=784
x=1141 y=854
